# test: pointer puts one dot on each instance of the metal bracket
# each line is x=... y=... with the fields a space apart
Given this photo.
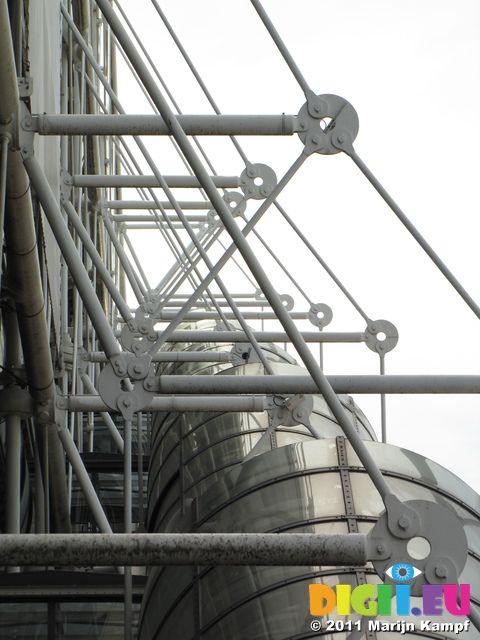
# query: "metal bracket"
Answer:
x=82 y=358
x=66 y=185
x=121 y=384
x=323 y=121
x=25 y=87
x=257 y=181
x=320 y=315
x=243 y=353
x=24 y=132
x=381 y=336
x=61 y=405
x=290 y=412
x=138 y=335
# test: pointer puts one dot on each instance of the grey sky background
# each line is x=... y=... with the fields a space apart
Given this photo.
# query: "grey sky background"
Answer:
x=411 y=71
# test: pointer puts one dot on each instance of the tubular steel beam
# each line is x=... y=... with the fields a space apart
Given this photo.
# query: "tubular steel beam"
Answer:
x=261 y=336
x=153 y=125
x=169 y=356
x=127 y=205
x=194 y=549
x=305 y=384
x=142 y=181
x=252 y=404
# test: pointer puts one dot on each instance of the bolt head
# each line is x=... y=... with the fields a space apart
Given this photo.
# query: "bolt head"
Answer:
x=127 y=402
x=137 y=368
x=441 y=571
x=315 y=139
x=404 y=522
x=120 y=371
x=381 y=548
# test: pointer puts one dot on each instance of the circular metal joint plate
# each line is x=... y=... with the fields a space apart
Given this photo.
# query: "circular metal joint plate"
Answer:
x=288 y=301
x=318 y=133
x=113 y=388
x=235 y=202
x=257 y=181
x=320 y=315
x=448 y=547
x=381 y=336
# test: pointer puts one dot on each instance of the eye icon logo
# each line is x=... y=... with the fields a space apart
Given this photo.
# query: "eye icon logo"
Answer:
x=402 y=572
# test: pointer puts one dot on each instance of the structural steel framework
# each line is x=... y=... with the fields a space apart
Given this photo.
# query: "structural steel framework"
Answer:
x=161 y=424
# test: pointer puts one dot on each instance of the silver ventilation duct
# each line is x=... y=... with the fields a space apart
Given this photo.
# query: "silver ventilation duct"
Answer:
x=240 y=472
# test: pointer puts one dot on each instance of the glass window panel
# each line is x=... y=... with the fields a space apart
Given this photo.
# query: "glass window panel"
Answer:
x=220 y=455
x=23 y=621
x=93 y=620
x=276 y=615
x=273 y=464
x=168 y=589
x=411 y=464
x=285 y=502
x=221 y=427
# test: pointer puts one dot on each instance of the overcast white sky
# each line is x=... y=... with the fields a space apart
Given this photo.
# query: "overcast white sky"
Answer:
x=411 y=71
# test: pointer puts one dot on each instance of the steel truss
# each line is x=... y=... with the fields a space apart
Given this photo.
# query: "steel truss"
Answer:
x=115 y=337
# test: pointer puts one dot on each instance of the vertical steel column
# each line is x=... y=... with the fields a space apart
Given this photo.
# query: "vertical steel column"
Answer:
x=127 y=517
x=13 y=438
x=3 y=188
x=141 y=515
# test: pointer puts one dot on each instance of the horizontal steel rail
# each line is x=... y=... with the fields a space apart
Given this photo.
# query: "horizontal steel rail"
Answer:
x=222 y=403
x=21 y=404
x=373 y=384
x=194 y=549
x=128 y=205
x=194 y=336
x=153 y=125
x=143 y=181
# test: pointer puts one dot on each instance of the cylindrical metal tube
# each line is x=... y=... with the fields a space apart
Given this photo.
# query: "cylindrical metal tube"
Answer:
x=151 y=204
x=261 y=336
x=25 y=281
x=197 y=549
x=181 y=403
x=305 y=384
x=174 y=182
x=148 y=125
x=8 y=72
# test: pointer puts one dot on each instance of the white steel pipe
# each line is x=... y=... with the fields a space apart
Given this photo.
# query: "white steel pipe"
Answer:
x=149 y=181
x=154 y=125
